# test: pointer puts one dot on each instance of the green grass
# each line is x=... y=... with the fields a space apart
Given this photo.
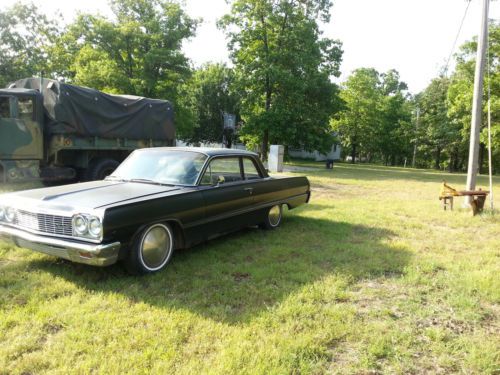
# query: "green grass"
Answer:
x=371 y=277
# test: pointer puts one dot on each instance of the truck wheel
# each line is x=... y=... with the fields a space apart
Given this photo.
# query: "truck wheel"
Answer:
x=273 y=217
x=100 y=168
x=151 y=249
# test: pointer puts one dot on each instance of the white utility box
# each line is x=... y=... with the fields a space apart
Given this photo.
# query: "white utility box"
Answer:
x=276 y=154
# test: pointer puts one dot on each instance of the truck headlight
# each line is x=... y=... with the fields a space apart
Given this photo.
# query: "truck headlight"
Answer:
x=80 y=225
x=10 y=214
x=95 y=227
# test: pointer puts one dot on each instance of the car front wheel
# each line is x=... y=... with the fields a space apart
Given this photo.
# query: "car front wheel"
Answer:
x=152 y=249
x=273 y=217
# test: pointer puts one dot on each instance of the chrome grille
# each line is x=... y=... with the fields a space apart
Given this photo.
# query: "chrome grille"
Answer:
x=52 y=224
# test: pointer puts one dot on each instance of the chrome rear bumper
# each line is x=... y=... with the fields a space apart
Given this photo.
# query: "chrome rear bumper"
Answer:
x=80 y=252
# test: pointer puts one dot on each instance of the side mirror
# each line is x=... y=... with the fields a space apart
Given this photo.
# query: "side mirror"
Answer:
x=220 y=180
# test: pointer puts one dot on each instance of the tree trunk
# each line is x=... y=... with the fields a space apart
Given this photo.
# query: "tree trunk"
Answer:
x=265 y=136
x=265 y=142
x=438 y=158
x=353 y=153
x=268 y=88
x=455 y=160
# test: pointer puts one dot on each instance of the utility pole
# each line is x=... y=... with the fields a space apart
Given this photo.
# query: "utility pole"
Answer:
x=415 y=145
x=477 y=110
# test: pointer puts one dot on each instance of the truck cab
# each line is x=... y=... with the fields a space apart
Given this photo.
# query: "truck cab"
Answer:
x=21 y=134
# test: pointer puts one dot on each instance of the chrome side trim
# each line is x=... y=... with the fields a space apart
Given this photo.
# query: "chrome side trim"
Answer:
x=245 y=210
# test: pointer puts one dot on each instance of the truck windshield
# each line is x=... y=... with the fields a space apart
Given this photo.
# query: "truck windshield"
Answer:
x=21 y=107
x=160 y=166
x=25 y=108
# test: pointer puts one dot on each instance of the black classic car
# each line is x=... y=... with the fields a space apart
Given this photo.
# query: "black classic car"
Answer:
x=157 y=200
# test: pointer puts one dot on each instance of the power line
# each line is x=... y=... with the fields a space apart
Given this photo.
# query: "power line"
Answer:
x=456 y=38
x=490 y=171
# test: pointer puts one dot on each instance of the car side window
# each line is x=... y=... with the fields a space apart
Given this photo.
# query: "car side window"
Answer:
x=250 y=169
x=222 y=169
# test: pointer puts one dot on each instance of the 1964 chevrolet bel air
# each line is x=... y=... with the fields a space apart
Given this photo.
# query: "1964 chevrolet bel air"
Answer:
x=157 y=200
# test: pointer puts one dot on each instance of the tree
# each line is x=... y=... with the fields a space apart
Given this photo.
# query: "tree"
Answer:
x=357 y=123
x=438 y=134
x=394 y=133
x=460 y=94
x=283 y=68
x=212 y=88
x=139 y=53
x=376 y=120
x=25 y=37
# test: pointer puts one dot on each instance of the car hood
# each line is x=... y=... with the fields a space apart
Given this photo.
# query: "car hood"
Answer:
x=91 y=195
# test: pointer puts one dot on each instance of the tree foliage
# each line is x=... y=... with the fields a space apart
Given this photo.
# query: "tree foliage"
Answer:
x=446 y=107
x=283 y=67
x=379 y=121
x=437 y=133
x=212 y=88
x=138 y=53
x=376 y=121
x=25 y=37
x=280 y=86
x=461 y=90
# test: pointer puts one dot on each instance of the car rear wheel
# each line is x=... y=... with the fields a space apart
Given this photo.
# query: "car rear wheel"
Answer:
x=152 y=249
x=273 y=217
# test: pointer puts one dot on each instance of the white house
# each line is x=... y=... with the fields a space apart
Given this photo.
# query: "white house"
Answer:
x=334 y=154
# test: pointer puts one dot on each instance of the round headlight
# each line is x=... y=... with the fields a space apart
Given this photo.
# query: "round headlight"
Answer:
x=95 y=227
x=2 y=213
x=10 y=214
x=80 y=224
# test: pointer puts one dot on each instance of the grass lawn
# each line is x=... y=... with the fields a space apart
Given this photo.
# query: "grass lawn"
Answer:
x=371 y=277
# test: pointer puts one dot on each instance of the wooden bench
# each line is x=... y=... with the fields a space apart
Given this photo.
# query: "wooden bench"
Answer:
x=478 y=197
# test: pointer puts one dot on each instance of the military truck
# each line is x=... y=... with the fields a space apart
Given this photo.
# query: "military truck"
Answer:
x=54 y=131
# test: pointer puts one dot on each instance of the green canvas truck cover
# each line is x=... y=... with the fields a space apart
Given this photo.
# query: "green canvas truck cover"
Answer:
x=87 y=112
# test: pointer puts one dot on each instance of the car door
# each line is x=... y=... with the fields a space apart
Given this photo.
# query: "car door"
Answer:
x=262 y=187
x=227 y=198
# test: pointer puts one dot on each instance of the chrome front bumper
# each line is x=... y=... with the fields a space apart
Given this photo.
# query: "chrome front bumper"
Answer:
x=80 y=252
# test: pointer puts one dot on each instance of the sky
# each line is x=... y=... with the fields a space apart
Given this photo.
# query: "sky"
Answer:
x=414 y=37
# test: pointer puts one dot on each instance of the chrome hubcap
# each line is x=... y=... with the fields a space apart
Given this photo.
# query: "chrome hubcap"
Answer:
x=156 y=246
x=275 y=215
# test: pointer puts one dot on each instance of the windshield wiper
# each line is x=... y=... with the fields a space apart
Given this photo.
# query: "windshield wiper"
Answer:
x=114 y=178
x=148 y=181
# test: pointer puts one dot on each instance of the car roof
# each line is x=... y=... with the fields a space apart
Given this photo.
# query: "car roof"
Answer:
x=202 y=150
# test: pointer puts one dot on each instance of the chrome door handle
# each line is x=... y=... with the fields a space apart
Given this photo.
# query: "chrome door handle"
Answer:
x=249 y=189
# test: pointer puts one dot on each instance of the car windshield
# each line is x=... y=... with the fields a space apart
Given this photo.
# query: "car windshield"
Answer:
x=162 y=167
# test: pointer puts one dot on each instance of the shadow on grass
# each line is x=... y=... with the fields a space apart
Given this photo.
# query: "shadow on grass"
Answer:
x=235 y=278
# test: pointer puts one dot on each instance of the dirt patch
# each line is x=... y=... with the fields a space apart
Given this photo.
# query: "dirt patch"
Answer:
x=52 y=328
x=240 y=276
